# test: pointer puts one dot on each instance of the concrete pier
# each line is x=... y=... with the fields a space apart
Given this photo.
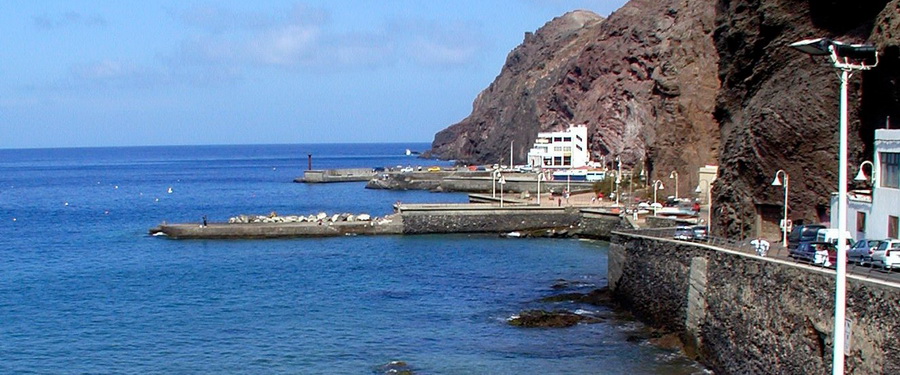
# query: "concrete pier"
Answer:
x=472 y=182
x=337 y=175
x=392 y=224
x=421 y=219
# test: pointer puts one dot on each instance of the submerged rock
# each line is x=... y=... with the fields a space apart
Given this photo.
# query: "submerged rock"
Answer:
x=596 y=297
x=395 y=368
x=550 y=319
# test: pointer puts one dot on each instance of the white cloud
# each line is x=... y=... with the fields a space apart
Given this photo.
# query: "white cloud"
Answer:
x=115 y=73
x=439 y=43
x=285 y=45
x=67 y=19
x=302 y=38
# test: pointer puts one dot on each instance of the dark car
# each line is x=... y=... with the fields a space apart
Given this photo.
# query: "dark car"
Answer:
x=806 y=251
x=803 y=233
x=861 y=252
x=701 y=233
x=684 y=233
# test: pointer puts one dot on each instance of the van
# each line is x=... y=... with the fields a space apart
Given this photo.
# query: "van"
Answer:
x=803 y=233
x=831 y=235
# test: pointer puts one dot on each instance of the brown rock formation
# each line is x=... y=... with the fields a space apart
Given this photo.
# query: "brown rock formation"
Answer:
x=646 y=82
x=643 y=80
x=778 y=109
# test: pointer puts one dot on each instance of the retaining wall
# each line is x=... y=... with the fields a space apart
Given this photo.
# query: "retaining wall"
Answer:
x=743 y=314
x=485 y=219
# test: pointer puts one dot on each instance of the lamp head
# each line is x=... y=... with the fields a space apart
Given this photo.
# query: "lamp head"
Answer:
x=816 y=47
x=860 y=176
x=698 y=190
x=777 y=181
x=673 y=174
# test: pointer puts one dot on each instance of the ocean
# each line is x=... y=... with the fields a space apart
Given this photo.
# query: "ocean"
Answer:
x=85 y=290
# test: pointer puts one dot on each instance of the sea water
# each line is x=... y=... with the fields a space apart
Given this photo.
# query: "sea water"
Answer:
x=85 y=290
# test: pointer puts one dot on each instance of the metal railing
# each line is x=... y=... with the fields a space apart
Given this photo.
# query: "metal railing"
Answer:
x=776 y=251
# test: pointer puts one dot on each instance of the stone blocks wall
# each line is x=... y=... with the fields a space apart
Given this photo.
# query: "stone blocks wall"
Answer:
x=600 y=225
x=752 y=315
x=492 y=220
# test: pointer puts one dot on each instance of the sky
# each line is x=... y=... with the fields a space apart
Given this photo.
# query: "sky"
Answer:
x=135 y=73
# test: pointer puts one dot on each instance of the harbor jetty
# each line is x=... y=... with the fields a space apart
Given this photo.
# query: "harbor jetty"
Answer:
x=464 y=180
x=273 y=226
x=412 y=219
x=337 y=175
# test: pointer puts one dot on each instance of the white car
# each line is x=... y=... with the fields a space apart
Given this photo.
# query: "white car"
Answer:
x=887 y=255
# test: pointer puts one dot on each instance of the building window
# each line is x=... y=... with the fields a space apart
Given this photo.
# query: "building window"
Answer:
x=892 y=226
x=567 y=139
x=861 y=222
x=557 y=160
x=557 y=139
x=890 y=169
x=567 y=160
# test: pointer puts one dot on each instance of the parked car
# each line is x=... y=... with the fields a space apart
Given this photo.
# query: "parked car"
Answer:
x=831 y=235
x=701 y=233
x=803 y=233
x=887 y=255
x=861 y=252
x=684 y=233
x=434 y=169
x=811 y=251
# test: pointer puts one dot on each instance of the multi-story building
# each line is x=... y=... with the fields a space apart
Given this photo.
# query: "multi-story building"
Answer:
x=877 y=215
x=560 y=150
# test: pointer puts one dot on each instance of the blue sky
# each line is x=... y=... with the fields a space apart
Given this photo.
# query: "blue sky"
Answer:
x=122 y=73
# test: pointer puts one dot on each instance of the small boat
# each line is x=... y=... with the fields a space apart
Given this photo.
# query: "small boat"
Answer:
x=579 y=175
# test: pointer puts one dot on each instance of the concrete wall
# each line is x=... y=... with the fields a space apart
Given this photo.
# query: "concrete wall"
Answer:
x=485 y=219
x=337 y=175
x=599 y=224
x=743 y=314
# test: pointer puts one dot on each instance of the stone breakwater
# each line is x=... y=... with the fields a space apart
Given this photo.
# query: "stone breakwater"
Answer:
x=321 y=217
x=275 y=226
x=409 y=219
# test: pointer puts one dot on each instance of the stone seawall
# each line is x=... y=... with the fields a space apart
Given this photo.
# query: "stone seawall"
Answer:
x=337 y=175
x=486 y=219
x=599 y=224
x=743 y=314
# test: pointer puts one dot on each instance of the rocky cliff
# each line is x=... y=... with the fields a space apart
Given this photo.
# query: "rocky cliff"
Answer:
x=676 y=84
x=643 y=81
x=778 y=108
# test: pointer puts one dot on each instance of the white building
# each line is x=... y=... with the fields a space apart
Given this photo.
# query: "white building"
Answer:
x=876 y=215
x=562 y=150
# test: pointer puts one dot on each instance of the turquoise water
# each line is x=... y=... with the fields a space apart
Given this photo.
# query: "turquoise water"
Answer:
x=85 y=290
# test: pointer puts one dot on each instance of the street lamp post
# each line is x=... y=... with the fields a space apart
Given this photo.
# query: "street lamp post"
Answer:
x=846 y=57
x=657 y=185
x=618 y=179
x=674 y=175
x=540 y=176
x=502 y=182
x=494 y=176
x=786 y=184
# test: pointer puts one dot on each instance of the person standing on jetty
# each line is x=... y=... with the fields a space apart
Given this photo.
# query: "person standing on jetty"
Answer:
x=204 y=221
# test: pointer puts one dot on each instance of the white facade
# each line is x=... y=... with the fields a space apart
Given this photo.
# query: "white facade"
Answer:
x=561 y=150
x=876 y=216
x=706 y=175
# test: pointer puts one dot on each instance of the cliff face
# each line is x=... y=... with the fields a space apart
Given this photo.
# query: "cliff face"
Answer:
x=778 y=108
x=646 y=81
x=643 y=81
